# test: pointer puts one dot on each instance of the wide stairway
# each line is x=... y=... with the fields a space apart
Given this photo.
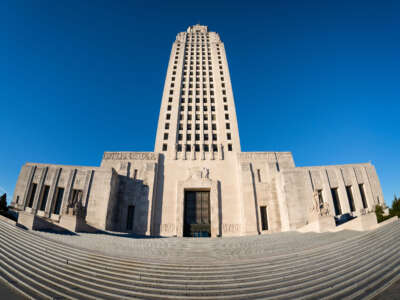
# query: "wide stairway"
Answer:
x=341 y=265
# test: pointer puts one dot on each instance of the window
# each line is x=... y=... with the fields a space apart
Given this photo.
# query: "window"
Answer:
x=228 y=126
x=170 y=99
x=165 y=136
x=214 y=137
x=264 y=218
x=169 y=107
x=336 y=201
x=197 y=137
x=166 y=125
x=164 y=147
x=214 y=126
x=197 y=148
x=229 y=147
x=189 y=117
x=350 y=198
x=59 y=197
x=213 y=117
x=188 y=137
x=205 y=126
x=226 y=117
x=130 y=217
x=44 y=198
x=224 y=99
x=225 y=107
x=205 y=148
x=171 y=92
x=187 y=147
x=189 y=126
x=32 y=194
x=363 y=198
x=197 y=126
x=180 y=137
x=228 y=136
x=206 y=137
x=179 y=149
x=215 y=148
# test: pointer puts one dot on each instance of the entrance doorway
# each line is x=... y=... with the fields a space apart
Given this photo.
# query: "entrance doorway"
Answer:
x=197 y=214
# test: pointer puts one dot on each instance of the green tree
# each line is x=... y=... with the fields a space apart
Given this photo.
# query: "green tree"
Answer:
x=395 y=210
x=3 y=202
x=379 y=214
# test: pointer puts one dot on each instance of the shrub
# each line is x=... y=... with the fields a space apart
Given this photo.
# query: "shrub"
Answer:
x=3 y=203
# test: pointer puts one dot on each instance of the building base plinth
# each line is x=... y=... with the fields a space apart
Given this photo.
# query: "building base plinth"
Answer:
x=75 y=224
x=30 y=221
x=361 y=223
x=319 y=224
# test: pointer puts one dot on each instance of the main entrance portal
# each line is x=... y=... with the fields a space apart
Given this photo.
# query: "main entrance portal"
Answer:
x=197 y=214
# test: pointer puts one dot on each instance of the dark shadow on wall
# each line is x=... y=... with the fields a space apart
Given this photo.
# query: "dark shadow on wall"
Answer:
x=158 y=199
x=220 y=220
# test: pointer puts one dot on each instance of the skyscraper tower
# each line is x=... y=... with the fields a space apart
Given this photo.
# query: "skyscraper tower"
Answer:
x=197 y=116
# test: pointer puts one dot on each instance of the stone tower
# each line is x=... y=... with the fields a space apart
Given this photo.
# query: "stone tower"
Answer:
x=197 y=116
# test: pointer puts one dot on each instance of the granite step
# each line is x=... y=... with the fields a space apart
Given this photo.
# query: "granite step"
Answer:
x=365 y=264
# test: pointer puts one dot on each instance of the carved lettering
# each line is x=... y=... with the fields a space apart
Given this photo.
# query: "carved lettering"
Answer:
x=130 y=156
x=268 y=156
x=230 y=228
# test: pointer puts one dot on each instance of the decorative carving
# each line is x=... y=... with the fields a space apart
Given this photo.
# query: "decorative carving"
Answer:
x=230 y=228
x=167 y=228
x=320 y=207
x=130 y=156
x=205 y=173
x=199 y=173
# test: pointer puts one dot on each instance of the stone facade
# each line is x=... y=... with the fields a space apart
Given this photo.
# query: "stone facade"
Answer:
x=197 y=148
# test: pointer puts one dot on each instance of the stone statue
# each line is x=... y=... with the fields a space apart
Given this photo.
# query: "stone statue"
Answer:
x=78 y=210
x=320 y=208
x=205 y=173
x=324 y=210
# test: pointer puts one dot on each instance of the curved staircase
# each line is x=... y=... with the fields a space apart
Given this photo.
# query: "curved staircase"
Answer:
x=355 y=266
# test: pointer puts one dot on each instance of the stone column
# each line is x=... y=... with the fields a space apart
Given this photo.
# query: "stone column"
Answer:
x=28 y=186
x=344 y=201
x=248 y=200
x=193 y=152
x=221 y=152
x=68 y=190
x=326 y=191
x=53 y=188
x=184 y=151
x=39 y=190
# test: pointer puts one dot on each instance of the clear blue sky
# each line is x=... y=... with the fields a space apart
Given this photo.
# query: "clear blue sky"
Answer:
x=318 y=78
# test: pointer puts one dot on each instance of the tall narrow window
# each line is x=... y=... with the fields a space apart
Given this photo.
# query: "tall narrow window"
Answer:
x=264 y=218
x=130 y=217
x=57 y=206
x=350 y=198
x=259 y=175
x=363 y=198
x=32 y=196
x=44 y=198
x=336 y=202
